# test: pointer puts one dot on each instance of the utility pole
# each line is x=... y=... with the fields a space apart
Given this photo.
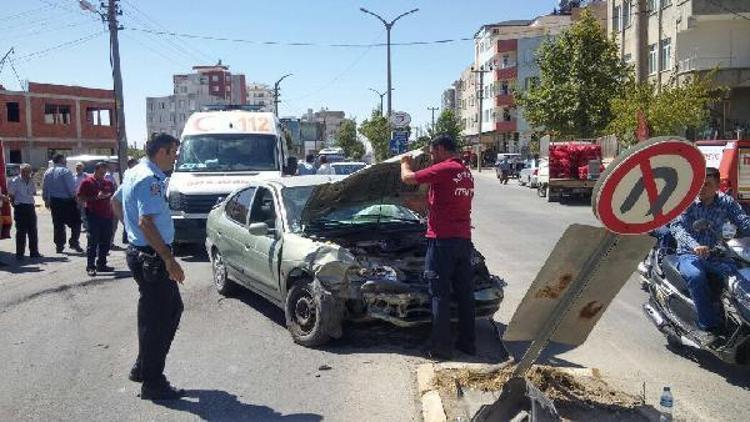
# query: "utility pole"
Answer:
x=109 y=14
x=433 y=110
x=276 y=94
x=388 y=26
x=481 y=71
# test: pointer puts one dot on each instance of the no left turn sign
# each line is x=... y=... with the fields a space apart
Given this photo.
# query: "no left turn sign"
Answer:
x=649 y=185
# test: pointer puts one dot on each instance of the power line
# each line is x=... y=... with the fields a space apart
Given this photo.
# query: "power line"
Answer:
x=40 y=53
x=159 y=26
x=24 y=13
x=296 y=44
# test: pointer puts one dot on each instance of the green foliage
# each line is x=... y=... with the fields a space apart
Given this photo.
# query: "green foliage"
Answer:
x=448 y=123
x=378 y=131
x=136 y=153
x=346 y=138
x=678 y=108
x=580 y=73
x=420 y=142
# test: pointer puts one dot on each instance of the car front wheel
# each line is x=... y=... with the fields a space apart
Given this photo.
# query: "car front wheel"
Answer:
x=304 y=316
x=223 y=284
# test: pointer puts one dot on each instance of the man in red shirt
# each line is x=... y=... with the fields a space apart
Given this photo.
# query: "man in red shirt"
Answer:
x=95 y=191
x=448 y=262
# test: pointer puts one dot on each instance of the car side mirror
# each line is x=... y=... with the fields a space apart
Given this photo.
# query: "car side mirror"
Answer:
x=258 y=229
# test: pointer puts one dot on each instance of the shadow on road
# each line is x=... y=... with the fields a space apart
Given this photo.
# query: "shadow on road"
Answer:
x=260 y=304
x=738 y=376
x=220 y=405
x=516 y=349
x=192 y=253
x=28 y=265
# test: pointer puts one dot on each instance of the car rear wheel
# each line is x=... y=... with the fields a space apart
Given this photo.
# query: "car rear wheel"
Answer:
x=303 y=312
x=541 y=190
x=223 y=284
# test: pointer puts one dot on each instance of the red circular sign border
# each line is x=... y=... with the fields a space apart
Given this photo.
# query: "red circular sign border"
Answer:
x=672 y=146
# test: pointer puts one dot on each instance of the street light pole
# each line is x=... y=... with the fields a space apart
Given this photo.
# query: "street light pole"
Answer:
x=388 y=26
x=276 y=94
x=481 y=71
x=380 y=94
x=433 y=110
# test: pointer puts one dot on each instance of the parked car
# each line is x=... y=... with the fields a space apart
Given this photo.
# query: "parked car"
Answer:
x=327 y=248
x=347 y=167
x=12 y=170
x=527 y=176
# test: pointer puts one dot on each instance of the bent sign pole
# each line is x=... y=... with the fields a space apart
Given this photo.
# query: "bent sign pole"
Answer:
x=645 y=188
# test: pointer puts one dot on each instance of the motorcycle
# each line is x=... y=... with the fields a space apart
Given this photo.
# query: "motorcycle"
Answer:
x=673 y=312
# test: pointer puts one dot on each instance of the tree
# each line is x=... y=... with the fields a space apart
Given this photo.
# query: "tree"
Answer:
x=580 y=73
x=346 y=138
x=448 y=124
x=136 y=153
x=677 y=109
x=420 y=142
x=377 y=130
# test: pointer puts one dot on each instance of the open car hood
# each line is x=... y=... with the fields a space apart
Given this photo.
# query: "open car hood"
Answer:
x=378 y=184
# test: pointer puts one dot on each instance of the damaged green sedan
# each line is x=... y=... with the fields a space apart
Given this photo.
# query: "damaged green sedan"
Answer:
x=327 y=249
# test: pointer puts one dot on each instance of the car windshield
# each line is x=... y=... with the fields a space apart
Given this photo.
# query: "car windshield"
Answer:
x=295 y=199
x=347 y=168
x=227 y=152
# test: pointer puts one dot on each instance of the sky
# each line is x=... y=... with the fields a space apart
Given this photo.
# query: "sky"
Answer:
x=54 y=41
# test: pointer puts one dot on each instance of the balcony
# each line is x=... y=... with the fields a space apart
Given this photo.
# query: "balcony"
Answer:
x=504 y=100
x=502 y=127
x=506 y=73
x=504 y=46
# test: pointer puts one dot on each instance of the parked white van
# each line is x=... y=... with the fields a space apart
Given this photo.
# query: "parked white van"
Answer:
x=220 y=151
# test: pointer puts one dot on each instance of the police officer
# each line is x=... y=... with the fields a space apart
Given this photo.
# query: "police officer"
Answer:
x=141 y=202
x=59 y=193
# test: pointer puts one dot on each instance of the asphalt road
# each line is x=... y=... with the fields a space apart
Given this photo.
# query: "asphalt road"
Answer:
x=68 y=340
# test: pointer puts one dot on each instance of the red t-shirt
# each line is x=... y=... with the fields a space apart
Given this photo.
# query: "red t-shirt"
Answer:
x=449 y=199
x=91 y=187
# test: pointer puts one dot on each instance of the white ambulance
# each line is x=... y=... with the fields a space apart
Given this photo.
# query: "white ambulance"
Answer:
x=220 y=150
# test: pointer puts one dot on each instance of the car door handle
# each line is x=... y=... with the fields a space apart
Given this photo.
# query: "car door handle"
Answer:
x=218 y=233
x=248 y=247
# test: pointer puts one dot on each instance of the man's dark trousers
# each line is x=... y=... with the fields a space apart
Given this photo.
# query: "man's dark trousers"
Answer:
x=159 y=310
x=449 y=273
x=65 y=213
x=98 y=235
x=25 y=217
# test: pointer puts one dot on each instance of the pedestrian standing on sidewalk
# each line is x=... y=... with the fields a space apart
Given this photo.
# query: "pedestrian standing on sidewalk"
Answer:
x=21 y=191
x=142 y=201
x=79 y=177
x=59 y=194
x=448 y=268
x=96 y=192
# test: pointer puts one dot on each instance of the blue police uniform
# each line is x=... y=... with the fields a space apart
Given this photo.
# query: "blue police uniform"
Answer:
x=143 y=193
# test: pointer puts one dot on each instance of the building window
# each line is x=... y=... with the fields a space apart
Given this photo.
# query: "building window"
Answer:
x=651 y=5
x=55 y=114
x=616 y=16
x=162 y=106
x=506 y=60
x=506 y=115
x=505 y=88
x=626 y=14
x=530 y=82
x=665 y=61
x=652 y=59
x=13 y=113
x=98 y=116
x=216 y=88
x=184 y=90
x=627 y=58
x=215 y=78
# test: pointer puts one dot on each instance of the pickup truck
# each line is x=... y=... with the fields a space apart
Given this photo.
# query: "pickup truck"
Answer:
x=568 y=168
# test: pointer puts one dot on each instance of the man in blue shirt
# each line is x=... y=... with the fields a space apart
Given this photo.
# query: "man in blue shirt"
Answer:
x=694 y=246
x=142 y=203
x=59 y=194
x=308 y=167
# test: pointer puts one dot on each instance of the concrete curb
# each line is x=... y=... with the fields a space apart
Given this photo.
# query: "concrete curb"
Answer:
x=432 y=404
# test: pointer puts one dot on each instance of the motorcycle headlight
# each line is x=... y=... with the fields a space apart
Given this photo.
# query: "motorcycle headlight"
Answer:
x=175 y=201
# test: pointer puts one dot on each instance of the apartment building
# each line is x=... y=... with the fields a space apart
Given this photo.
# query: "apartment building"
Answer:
x=207 y=85
x=466 y=103
x=50 y=119
x=261 y=96
x=668 y=40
